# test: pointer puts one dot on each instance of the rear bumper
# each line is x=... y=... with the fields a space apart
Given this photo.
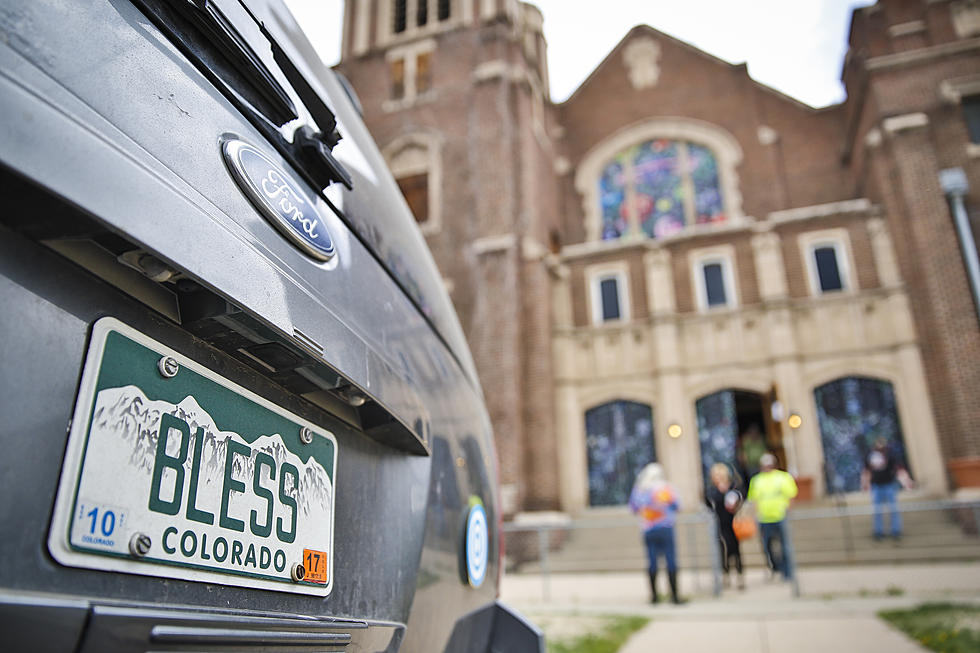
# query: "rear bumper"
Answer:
x=51 y=623
x=43 y=623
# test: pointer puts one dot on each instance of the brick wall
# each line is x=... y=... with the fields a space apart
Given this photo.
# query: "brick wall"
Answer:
x=500 y=178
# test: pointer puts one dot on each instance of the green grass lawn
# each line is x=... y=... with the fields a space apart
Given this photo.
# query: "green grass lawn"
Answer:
x=612 y=635
x=942 y=627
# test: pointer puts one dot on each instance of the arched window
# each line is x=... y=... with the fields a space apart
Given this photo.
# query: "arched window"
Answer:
x=619 y=441
x=659 y=177
x=415 y=163
x=853 y=413
x=659 y=187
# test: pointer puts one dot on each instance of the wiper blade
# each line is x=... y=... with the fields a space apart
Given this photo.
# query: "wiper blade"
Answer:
x=221 y=33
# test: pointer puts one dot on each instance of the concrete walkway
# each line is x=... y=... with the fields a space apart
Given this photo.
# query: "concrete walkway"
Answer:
x=836 y=611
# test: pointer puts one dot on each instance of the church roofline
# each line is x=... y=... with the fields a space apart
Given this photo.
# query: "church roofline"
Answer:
x=638 y=29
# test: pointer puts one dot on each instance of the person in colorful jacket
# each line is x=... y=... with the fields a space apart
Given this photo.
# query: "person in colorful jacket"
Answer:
x=771 y=490
x=655 y=502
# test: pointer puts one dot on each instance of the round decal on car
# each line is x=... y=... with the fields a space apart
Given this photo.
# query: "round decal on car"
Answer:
x=477 y=545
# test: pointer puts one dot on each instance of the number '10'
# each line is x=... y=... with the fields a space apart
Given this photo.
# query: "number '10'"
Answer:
x=108 y=521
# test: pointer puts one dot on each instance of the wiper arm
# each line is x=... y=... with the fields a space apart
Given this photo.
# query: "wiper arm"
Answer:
x=315 y=146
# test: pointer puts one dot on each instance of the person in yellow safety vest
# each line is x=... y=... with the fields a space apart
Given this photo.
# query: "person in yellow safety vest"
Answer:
x=771 y=490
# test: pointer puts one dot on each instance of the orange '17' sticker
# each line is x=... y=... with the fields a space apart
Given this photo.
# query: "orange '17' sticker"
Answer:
x=315 y=564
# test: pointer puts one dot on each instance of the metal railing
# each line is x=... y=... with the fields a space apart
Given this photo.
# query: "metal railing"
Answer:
x=696 y=536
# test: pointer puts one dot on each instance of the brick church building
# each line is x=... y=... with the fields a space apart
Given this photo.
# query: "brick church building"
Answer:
x=678 y=259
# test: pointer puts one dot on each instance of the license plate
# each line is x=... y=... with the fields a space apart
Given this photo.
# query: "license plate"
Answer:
x=174 y=471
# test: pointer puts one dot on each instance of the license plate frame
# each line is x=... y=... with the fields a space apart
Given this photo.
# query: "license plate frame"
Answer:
x=238 y=493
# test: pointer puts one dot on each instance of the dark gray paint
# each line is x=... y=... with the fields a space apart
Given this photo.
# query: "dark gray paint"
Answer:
x=108 y=120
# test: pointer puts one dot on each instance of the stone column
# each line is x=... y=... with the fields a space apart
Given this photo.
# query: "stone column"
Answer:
x=881 y=245
x=660 y=282
x=769 y=269
x=569 y=418
x=680 y=457
x=918 y=426
x=572 y=462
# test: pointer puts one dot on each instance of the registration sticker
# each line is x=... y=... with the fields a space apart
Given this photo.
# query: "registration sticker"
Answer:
x=315 y=566
x=175 y=471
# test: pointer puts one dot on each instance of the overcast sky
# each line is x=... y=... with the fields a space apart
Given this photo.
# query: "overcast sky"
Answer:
x=795 y=46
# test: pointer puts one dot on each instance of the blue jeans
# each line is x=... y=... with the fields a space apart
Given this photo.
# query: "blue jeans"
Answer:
x=660 y=541
x=886 y=496
x=782 y=557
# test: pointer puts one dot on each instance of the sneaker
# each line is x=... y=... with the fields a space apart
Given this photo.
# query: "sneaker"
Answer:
x=878 y=537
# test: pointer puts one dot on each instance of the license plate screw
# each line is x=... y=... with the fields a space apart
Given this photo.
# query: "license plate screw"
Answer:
x=168 y=367
x=139 y=544
x=306 y=435
x=298 y=572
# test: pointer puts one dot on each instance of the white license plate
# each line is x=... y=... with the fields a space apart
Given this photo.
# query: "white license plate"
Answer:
x=190 y=476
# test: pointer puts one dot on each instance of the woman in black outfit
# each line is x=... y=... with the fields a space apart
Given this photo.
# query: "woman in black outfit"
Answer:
x=724 y=498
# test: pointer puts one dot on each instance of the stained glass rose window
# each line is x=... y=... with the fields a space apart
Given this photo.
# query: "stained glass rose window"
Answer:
x=658 y=188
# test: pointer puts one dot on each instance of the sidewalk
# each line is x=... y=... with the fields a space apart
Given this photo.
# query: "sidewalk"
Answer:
x=836 y=610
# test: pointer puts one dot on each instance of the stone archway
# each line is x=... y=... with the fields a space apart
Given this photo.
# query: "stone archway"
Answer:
x=728 y=422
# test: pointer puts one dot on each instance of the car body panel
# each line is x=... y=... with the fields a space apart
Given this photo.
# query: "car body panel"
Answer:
x=110 y=130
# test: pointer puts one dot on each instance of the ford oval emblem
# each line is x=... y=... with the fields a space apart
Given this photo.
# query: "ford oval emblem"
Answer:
x=280 y=198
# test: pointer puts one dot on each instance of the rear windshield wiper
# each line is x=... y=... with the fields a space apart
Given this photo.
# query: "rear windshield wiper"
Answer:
x=221 y=33
x=315 y=145
x=209 y=40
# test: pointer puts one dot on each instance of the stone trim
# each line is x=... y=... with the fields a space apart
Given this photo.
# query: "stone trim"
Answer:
x=904 y=29
x=905 y=122
x=767 y=135
x=757 y=311
x=862 y=205
x=590 y=248
x=493 y=244
x=954 y=90
x=428 y=160
x=723 y=145
x=922 y=55
x=362 y=26
x=770 y=271
x=642 y=60
x=493 y=69
x=660 y=282
x=966 y=17
x=886 y=264
x=873 y=138
x=532 y=249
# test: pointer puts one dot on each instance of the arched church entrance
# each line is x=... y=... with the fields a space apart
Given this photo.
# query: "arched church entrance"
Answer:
x=619 y=439
x=853 y=412
x=735 y=428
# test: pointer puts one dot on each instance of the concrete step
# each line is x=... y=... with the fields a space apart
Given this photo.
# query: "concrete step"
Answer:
x=611 y=541
x=581 y=544
x=754 y=559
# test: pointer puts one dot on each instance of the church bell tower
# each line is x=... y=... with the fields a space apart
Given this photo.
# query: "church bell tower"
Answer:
x=455 y=92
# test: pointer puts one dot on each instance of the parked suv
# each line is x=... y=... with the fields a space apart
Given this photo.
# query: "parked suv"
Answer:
x=238 y=411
